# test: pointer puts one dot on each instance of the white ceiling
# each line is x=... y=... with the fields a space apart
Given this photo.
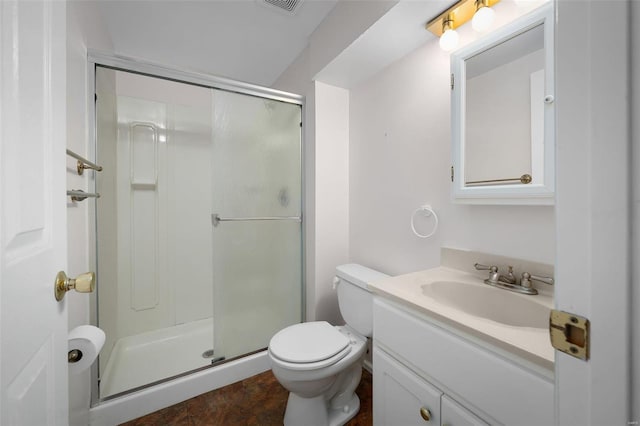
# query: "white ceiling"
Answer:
x=241 y=39
x=400 y=31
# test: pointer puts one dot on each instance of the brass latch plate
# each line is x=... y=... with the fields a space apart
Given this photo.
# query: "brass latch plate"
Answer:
x=569 y=333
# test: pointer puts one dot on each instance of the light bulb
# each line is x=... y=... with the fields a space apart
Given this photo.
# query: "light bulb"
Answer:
x=482 y=19
x=449 y=40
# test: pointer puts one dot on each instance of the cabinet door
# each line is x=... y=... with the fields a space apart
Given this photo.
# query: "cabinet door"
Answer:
x=401 y=398
x=454 y=414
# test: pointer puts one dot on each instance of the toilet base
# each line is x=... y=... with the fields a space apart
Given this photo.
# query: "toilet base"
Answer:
x=317 y=412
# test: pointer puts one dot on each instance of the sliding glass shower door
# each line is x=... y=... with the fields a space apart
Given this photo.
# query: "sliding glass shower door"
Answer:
x=256 y=221
x=198 y=227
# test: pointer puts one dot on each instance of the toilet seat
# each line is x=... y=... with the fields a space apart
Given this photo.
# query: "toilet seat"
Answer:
x=309 y=346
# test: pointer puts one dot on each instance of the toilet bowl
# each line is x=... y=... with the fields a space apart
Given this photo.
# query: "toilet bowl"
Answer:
x=320 y=364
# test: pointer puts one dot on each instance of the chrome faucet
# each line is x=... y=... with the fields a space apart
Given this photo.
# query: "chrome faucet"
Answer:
x=508 y=282
x=509 y=278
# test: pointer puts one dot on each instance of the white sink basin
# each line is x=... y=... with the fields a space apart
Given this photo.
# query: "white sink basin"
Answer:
x=460 y=301
x=495 y=304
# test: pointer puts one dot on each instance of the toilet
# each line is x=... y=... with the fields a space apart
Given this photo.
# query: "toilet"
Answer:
x=320 y=364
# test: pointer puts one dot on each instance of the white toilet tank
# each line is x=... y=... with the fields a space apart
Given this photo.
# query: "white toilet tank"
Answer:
x=355 y=301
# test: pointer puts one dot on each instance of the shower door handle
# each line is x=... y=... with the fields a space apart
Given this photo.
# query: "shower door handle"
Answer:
x=216 y=219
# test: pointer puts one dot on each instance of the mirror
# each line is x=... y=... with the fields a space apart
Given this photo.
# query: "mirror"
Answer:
x=502 y=114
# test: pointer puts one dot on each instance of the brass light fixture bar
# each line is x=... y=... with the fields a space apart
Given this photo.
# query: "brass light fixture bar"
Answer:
x=458 y=14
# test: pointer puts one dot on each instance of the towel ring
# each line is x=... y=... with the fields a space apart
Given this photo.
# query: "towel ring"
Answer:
x=428 y=211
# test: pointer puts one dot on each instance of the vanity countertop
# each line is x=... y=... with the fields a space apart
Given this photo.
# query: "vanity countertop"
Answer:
x=528 y=343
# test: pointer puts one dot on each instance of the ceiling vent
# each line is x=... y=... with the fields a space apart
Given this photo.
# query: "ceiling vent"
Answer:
x=289 y=6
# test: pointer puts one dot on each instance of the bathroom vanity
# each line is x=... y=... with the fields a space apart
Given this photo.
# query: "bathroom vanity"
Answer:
x=442 y=358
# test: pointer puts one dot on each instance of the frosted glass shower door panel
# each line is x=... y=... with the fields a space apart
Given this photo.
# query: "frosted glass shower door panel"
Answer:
x=257 y=259
x=256 y=156
x=257 y=290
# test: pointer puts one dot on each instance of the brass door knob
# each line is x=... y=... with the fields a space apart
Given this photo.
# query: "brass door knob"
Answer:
x=83 y=283
x=425 y=413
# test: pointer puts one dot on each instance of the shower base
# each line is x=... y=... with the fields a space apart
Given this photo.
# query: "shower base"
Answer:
x=136 y=404
x=156 y=355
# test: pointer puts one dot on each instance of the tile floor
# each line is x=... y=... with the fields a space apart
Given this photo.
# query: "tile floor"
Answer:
x=257 y=401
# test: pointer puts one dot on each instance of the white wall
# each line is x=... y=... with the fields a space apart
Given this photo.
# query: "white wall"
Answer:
x=347 y=21
x=400 y=158
x=84 y=28
x=344 y=24
x=332 y=193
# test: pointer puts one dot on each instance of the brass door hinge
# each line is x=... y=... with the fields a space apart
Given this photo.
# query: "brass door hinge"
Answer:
x=451 y=173
x=452 y=81
x=569 y=334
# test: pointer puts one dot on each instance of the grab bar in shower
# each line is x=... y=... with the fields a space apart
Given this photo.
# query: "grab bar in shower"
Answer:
x=83 y=163
x=80 y=195
x=216 y=219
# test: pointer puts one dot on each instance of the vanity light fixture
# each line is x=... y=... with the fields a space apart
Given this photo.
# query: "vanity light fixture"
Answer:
x=484 y=16
x=449 y=38
x=444 y=25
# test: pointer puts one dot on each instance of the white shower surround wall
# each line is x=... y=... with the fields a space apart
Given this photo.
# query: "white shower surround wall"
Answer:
x=183 y=205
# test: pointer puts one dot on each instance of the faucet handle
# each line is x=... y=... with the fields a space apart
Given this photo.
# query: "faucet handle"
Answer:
x=480 y=267
x=527 y=278
x=546 y=280
x=509 y=278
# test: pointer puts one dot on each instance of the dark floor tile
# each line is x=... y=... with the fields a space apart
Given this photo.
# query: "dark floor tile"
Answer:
x=177 y=415
x=257 y=401
x=198 y=406
x=152 y=419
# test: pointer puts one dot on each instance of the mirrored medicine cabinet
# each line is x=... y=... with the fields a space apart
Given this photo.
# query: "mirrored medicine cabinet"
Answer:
x=503 y=114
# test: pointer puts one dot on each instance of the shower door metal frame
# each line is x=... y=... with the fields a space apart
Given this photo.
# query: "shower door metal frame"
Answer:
x=97 y=58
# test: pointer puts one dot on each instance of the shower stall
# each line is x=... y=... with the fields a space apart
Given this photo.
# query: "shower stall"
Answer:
x=198 y=228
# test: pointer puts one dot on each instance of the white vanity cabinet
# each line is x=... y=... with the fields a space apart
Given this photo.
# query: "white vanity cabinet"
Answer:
x=402 y=398
x=418 y=363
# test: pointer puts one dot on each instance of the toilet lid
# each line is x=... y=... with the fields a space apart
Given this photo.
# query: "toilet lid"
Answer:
x=308 y=342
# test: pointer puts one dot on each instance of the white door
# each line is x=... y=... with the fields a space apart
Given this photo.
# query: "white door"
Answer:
x=33 y=326
x=592 y=207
